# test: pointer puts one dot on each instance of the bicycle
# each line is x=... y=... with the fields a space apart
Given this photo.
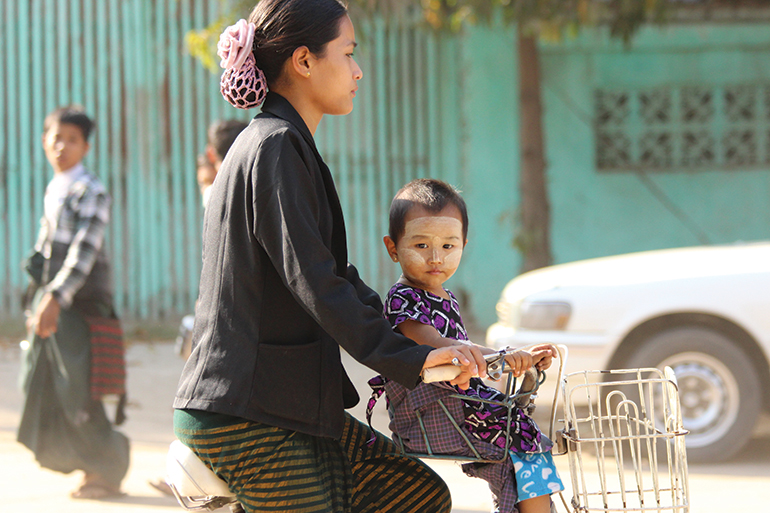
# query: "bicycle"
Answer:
x=627 y=419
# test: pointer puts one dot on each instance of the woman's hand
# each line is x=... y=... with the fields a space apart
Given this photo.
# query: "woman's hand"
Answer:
x=471 y=360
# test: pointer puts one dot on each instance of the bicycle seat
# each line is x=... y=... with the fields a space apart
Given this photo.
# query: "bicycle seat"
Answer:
x=190 y=477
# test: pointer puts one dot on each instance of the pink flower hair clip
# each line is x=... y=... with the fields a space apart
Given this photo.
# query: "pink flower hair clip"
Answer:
x=243 y=84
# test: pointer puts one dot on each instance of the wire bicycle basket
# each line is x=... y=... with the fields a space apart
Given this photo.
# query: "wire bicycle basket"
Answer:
x=624 y=438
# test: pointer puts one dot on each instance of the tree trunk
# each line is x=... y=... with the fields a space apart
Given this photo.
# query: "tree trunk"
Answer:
x=533 y=239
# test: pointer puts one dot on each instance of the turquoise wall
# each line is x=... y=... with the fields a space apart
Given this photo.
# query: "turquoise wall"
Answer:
x=603 y=213
x=429 y=105
x=489 y=178
x=126 y=62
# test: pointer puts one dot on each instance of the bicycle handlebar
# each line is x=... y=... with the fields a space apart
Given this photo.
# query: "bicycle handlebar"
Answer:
x=495 y=369
x=440 y=373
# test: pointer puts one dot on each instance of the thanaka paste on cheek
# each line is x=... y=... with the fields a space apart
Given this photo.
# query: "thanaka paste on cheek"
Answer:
x=452 y=259
x=435 y=232
x=408 y=256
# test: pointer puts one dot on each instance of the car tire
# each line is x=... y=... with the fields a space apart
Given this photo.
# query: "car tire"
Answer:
x=719 y=389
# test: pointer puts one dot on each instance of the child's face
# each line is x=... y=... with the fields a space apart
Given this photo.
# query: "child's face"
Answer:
x=64 y=146
x=430 y=249
x=206 y=174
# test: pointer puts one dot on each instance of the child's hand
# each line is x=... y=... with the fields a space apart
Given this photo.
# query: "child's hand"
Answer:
x=542 y=355
x=519 y=362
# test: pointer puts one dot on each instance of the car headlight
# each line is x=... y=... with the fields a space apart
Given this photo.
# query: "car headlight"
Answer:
x=544 y=315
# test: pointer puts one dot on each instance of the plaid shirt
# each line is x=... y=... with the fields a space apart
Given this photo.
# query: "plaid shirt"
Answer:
x=76 y=263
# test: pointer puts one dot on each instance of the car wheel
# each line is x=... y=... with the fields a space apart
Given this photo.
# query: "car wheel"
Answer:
x=719 y=389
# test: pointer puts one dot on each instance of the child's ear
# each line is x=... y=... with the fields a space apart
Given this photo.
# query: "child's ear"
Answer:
x=391 y=247
x=210 y=155
x=465 y=243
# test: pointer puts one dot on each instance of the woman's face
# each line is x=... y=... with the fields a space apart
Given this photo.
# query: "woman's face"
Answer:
x=335 y=75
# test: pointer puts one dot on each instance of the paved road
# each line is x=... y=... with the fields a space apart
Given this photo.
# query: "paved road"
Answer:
x=739 y=486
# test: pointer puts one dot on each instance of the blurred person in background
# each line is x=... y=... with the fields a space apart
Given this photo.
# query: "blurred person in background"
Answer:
x=75 y=353
x=220 y=137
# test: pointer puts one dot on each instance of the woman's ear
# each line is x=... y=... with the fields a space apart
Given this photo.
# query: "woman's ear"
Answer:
x=301 y=61
x=391 y=247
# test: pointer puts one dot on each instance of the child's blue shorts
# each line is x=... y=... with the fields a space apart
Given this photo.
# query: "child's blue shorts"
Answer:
x=536 y=475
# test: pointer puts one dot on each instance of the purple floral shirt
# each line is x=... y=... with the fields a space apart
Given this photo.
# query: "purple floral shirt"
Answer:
x=408 y=303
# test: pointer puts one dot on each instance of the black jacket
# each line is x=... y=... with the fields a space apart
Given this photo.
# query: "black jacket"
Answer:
x=277 y=295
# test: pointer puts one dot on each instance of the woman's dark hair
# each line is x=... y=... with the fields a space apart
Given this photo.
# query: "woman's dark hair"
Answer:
x=432 y=195
x=285 y=25
x=70 y=115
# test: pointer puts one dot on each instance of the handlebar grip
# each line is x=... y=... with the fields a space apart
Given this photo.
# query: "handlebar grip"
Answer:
x=440 y=373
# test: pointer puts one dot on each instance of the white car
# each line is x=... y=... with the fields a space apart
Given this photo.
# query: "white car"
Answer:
x=704 y=311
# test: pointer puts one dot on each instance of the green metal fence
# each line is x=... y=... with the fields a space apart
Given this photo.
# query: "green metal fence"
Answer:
x=126 y=62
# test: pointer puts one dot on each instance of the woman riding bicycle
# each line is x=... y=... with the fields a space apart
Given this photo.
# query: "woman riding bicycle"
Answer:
x=262 y=397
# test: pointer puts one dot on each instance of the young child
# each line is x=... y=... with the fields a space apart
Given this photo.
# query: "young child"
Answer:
x=221 y=135
x=66 y=367
x=427 y=234
x=205 y=172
